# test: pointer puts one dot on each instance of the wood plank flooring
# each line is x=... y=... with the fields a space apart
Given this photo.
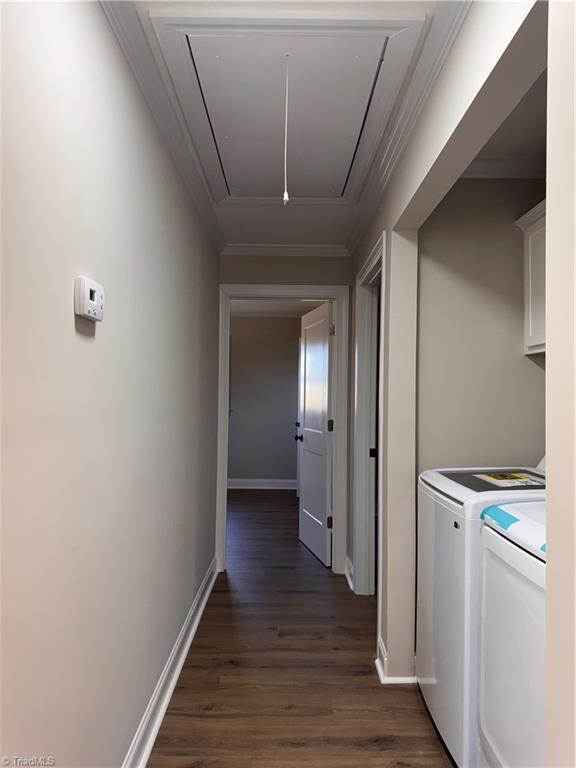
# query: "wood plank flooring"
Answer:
x=281 y=671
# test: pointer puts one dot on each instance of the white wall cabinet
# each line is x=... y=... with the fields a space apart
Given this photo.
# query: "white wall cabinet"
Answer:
x=533 y=225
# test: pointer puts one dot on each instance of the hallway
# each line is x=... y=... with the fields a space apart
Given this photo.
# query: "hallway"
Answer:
x=281 y=671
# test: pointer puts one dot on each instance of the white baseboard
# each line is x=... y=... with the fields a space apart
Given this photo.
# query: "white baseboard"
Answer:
x=262 y=484
x=381 y=664
x=350 y=573
x=143 y=741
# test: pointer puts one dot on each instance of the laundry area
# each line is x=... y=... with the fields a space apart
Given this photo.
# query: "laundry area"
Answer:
x=481 y=516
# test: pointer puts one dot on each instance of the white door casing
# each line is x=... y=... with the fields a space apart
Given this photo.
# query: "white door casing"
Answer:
x=299 y=416
x=315 y=481
x=339 y=296
x=366 y=319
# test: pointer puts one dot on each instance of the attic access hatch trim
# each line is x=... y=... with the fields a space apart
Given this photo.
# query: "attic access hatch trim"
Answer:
x=207 y=112
x=239 y=221
x=173 y=50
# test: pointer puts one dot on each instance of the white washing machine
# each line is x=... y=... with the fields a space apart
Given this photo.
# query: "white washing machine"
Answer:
x=450 y=503
x=511 y=681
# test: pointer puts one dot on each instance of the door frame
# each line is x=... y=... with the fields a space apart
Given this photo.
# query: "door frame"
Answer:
x=366 y=320
x=339 y=295
x=300 y=411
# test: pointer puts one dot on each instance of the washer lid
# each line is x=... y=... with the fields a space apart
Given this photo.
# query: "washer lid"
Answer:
x=463 y=484
x=522 y=522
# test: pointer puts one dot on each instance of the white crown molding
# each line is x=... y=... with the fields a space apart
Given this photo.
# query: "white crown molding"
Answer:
x=281 y=251
x=125 y=22
x=434 y=49
x=373 y=264
x=400 y=51
x=528 y=168
x=302 y=13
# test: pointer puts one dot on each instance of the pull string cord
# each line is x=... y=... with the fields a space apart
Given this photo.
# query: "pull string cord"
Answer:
x=286 y=198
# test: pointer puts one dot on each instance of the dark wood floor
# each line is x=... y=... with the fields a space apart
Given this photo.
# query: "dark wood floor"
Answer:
x=281 y=671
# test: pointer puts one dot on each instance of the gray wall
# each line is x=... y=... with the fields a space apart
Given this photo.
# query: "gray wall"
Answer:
x=289 y=270
x=108 y=433
x=263 y=397
x=480 y=400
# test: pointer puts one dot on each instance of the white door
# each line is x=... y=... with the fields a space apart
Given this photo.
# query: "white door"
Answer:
x=315 y=452
x=299 y=416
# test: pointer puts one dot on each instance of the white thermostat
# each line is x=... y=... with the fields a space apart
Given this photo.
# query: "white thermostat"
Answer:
x=88 y=298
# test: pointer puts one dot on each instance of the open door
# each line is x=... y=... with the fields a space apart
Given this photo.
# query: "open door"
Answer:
x=315 y=452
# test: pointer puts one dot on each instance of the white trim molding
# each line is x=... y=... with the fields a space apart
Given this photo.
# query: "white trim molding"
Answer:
x=145 y=736
x=436 y=45
x=126 y=24
x=397 y=452
x=532 y=216
x=339 y=295
x=381 y=664
x=280 y=251
x=365 y=408
x=170 y=28
x=350 y=573
x=372 y=267
x=154 y=39
x=262 y=483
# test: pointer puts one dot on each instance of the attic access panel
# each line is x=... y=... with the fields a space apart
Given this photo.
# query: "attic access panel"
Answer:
x=242 y=82
x=342 y=109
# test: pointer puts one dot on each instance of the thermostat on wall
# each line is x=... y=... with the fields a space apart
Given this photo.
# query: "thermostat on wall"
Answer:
x=88 y=298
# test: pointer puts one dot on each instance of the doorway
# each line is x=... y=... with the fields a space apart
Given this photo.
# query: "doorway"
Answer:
x=336 y=409
x=368 y=313
x=264 y=383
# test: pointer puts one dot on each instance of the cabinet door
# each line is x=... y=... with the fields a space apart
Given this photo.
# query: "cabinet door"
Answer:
x=535 y=288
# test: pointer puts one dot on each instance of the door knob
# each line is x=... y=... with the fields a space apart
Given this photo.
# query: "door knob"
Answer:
x=299 y=437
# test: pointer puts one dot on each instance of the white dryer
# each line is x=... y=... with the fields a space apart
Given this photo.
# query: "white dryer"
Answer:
x=511 y=682
x=450 y=504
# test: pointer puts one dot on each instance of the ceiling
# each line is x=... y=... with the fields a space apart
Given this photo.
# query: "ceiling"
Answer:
x=215 y=75
x=273 y=307
x=518 y=148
